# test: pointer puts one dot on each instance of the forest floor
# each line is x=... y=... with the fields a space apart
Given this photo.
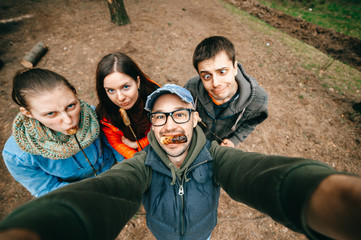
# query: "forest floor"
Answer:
x=305 y=118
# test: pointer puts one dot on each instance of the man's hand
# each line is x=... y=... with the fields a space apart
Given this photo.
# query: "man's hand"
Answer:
x=18 y=234
x=130 y=143
x=335 y=207
x=227 y=143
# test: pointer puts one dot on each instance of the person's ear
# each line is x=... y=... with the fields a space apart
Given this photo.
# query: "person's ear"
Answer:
x=138 y=82
x=235 y=68
x=26 y=112
x=196 y=119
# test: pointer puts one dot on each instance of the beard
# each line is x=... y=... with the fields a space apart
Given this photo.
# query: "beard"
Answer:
x=174 y=150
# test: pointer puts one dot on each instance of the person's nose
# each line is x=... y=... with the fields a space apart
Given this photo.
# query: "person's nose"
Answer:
x=120 y=97
x=66 y=118
x=170 y=124
x=216 y=80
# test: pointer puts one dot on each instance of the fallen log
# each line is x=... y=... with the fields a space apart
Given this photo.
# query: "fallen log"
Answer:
x=34 y=55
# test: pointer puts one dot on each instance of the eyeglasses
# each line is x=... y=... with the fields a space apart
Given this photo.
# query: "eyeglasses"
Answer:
x=178 y=116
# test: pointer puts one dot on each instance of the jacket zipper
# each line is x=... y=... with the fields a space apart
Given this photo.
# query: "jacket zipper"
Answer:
x=181 y=193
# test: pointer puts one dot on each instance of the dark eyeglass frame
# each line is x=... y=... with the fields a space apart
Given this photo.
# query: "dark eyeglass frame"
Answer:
x=167 y=114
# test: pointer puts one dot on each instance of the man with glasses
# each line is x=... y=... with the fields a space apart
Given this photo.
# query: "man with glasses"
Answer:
x=179 y=183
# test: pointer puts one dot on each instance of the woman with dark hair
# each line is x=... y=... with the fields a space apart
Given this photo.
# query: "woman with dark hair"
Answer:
x=55 y=137
x=122 y=89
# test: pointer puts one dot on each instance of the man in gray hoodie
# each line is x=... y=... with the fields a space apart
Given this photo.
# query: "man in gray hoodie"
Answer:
x=230 y=103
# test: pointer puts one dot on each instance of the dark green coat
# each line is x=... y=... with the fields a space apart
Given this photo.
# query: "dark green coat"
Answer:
x=99 y=208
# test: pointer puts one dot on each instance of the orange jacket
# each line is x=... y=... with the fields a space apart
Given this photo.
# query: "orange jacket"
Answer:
x=114 y=137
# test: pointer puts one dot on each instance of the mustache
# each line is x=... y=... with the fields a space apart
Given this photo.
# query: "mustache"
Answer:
x=164 y=132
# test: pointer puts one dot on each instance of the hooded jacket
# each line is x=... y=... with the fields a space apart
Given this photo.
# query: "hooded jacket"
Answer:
x=238 y=120
x=181 y=203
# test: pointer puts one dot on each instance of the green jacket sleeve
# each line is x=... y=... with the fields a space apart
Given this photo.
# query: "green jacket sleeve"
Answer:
x=277 y=186
x=96 y=208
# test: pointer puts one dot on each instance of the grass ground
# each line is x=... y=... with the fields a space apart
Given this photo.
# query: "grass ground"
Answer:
x=336 y=77
x=340 y=15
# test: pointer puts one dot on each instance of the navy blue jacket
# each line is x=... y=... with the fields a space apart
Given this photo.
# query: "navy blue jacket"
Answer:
x=182 y=207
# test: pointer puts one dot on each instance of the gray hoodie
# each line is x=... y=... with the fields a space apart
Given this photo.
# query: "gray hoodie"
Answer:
x=238 y=120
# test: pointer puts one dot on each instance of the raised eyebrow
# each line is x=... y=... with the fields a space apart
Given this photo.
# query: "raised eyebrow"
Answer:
x=108 y=88
x=223 y=68
x=74 y=101
x=176 y=109
x=203 y=71
x=120 y=86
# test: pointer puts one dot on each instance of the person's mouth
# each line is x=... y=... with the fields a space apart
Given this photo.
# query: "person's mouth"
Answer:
x=219 y=90
x=173 y=139
x=72 y=130
x=124 y=105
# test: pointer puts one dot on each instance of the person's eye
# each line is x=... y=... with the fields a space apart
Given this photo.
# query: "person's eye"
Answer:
x=223 y=71
x=180 y=114
x=71 y=106
x=206 y=76
x=126 y=87
x=159 y=117
x=110 y=91
x=50 y=114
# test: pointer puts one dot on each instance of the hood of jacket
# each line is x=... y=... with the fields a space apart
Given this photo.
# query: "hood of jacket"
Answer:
x=197 y=143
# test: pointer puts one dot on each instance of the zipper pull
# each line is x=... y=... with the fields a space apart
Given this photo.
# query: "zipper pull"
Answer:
x=181 y=190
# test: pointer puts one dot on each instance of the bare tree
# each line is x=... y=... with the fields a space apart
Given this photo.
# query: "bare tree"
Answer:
x=118 y=13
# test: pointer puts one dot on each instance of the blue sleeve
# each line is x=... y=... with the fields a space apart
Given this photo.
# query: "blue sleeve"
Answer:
x=28 y=174
x=118 y=157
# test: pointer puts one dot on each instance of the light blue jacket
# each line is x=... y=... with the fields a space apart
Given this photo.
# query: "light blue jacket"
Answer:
x=40 y=175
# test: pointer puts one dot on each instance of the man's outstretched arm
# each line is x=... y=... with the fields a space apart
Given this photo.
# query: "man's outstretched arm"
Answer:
x=335 y=207
x=95 y=208
x=19 y=234
x=305 y=195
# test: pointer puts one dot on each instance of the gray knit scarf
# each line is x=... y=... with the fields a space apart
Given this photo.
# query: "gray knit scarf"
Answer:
x=34 y=138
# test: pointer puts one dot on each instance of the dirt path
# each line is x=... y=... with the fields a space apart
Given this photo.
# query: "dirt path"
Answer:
x=161 y=38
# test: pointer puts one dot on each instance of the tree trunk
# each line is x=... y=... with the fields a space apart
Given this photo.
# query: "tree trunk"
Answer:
x=118 y=13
